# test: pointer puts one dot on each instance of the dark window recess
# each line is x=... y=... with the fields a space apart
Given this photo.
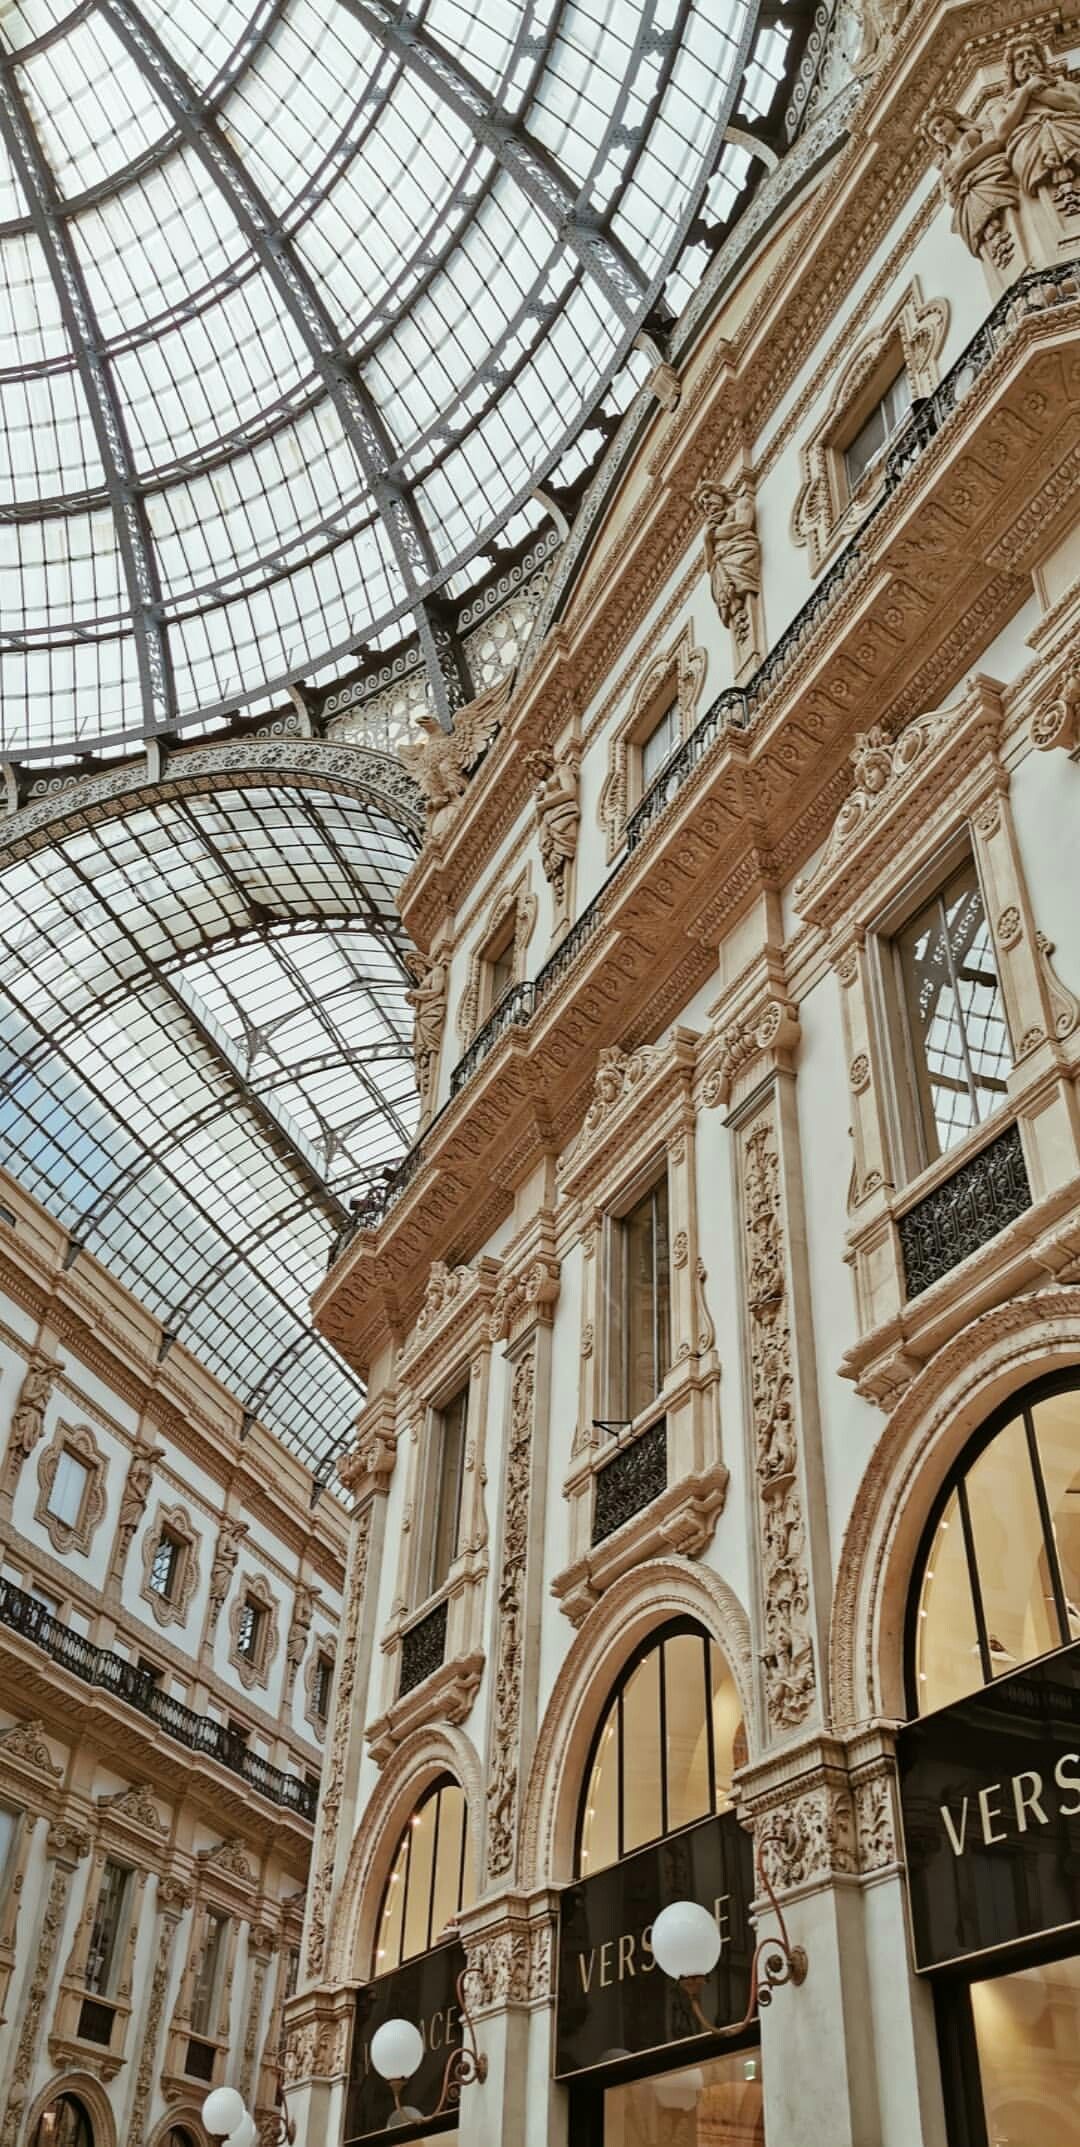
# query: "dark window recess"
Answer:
x=20 y=1613
x=324 y=1678
x=423 y=1649
x=980 y=1199
x=96 y=2021
x=635 y=1475
x=199 y=2062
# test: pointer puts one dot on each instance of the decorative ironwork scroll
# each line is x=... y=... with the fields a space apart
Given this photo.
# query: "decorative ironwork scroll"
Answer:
x=635 y=1475
x=964 y=1213
x=423 y=1649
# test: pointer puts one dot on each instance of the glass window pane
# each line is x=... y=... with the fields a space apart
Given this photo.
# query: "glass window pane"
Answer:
x=719 y=2103
x=981 y=1008
x=450 y=1432
x=729 y=1736
x=660 y=744
x=418 y=1889
x=1057 y=1428
x=947 y=1660
x=108 y=1916
x=642 y=1811
x=600 y=1826
x=206 y=1982
x=1027 y=2029
x=647 y=1299
x=956 y=1020
x=687 y=1729
x=448 y=1860
x=1010 y=1552
x=388 y=1937
x=69 y=1483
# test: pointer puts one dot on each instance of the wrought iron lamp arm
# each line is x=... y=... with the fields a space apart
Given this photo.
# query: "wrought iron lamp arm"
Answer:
x=776 y=1961
x=463 y=2065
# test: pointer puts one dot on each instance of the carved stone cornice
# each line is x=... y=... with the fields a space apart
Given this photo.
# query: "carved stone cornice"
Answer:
x=895 y=781
x=682 y=1518
x=446 y=1696
x=22 y=1744
x=824 y=1809
x=453 y=1316
x=368 y=1466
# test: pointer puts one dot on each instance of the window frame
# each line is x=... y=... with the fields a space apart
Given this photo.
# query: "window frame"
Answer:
x=616 y=1309
x=179 y=1546
x=1018 y=1404
x=906 y=1102
x=222 y=1921
x=612 y=1709
x=66 y=1452
x=500 y=943
x=892 y=366
x=433 y=1489
x=250 y=1649
x=103 y=1989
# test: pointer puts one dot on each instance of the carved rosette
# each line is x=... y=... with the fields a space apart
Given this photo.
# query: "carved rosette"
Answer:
x=333 y=1785
x=788 y=1654
x=503 y=1768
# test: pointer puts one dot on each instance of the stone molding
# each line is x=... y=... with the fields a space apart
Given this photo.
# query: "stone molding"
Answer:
x=173 y=1609
x=418 y=1761
x=514 y=903
x=510 y=1942
x=682 y=665
x=636 y=1604
x=762 y=1037
x=966 y=1377
x=824 y=510
x=77 y=1439
x=253 y=1670
x=446 y=1696
x=335 y=1766
x=367 y=1468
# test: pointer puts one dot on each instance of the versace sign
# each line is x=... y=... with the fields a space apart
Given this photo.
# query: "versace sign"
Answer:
x=613 y=2000
x=990 y=1797
x=423 y=1991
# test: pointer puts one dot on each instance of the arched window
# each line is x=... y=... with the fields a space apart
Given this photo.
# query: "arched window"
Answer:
x=997 y=1580
x=431 y=1878
x=64 y=2124
x=665 y=1750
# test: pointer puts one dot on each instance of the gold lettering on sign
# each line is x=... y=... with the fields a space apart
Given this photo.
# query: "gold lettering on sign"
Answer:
x=635 y=1953
x=1028 y=1791
x=605 y=1962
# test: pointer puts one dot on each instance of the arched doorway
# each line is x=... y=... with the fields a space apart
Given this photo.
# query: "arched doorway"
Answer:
x=66 y=2123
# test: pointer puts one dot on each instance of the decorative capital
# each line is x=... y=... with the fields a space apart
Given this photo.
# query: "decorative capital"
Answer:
x=771 y=1029
x=528 y=1291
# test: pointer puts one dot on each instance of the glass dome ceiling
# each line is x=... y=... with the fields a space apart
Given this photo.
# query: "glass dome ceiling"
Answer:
x=301 y=301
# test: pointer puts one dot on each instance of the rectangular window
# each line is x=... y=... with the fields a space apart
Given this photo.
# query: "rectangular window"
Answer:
x=877 y=430
x=9 y=1827
x=956 y=1039
x=449 y=1461
x=659 y=743
x=500 y=964
x=165 y=1567
x=249 y=1629
x=107 y=1931
x=208 y=1978
x=65 y=1500
x=639 y=1327
x=324 y=1678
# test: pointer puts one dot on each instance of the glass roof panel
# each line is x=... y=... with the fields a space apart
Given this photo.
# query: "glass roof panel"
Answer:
x=205 y=1054
x=288 y=276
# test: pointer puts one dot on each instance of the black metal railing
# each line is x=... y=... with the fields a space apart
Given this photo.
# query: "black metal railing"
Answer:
x=24 y=1615
x=423 y=1649
x=735 y=708
x=969 y=1209
x=625 y=1485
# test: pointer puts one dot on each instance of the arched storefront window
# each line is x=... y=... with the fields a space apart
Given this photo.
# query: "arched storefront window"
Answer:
x=431 y=1878
x=665 y=1751
x=64 y=2124
x=997 y=1581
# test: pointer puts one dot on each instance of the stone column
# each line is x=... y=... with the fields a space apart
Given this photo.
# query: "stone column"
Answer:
x=65 y=1847
x=509 y=1942
x=172 y=1903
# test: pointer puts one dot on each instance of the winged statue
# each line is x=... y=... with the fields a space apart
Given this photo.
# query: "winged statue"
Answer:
x=440 y=761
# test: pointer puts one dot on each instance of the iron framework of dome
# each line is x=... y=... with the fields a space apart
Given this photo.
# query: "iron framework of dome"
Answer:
x=306 y=298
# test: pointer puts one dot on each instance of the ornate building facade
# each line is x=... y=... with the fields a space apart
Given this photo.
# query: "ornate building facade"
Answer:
x=721 y=1328
x=169 y=1601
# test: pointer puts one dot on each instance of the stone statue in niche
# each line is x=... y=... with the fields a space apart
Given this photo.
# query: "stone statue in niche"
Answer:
x=732 y=554
x=1037 y=123
x=558 y=818
x=140 y=1477
x=428 y=1002
x=28 y=1420
x=977 y=181
x=230 y=1537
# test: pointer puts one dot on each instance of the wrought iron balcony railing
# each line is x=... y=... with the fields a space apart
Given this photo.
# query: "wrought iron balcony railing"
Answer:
x=24 y=1615
x=735 y=709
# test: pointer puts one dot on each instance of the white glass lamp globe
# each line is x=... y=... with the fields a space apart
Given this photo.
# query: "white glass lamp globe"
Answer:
x=246 y=2133
x=396 y=2049
x=223 y=2110
x=685 y=1940
x=680 y=2090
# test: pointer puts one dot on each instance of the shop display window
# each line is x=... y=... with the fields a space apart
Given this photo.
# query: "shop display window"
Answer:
x=431 y=1878
x=716 y=2103
x=1027 y=2032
